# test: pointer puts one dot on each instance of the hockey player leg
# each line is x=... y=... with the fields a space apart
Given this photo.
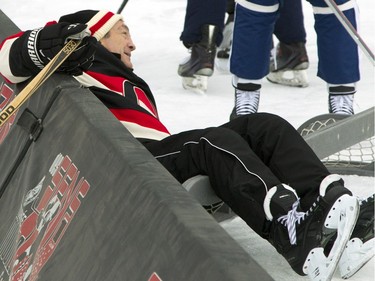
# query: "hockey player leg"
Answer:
x=200 y=65
x=223 y=53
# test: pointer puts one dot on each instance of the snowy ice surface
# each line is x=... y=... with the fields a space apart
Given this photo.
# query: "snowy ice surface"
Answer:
x=155 y=27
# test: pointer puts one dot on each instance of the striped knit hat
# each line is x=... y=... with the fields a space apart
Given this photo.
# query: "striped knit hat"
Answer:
x=99 y=22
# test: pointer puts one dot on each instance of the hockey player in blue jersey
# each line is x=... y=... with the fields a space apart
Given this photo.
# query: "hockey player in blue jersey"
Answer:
x=337 y=53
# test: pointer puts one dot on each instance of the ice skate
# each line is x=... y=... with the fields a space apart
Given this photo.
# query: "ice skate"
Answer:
x=360 y=248
x=196 y=69
x=293 y=78
x=288 y=65
x=340 y=99
x=246 y=102
x=197 y=83
x=302 y=236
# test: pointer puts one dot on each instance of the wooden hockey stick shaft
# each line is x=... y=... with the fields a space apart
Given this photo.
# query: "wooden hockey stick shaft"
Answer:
x=38 y=80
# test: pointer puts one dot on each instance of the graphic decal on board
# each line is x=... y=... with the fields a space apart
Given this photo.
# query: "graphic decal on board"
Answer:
x=44 y=216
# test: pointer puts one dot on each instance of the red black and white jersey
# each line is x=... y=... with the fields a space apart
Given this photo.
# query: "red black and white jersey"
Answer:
x=125 y=94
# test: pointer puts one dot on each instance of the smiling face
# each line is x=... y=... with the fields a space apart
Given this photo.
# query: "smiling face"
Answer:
x=119 y=41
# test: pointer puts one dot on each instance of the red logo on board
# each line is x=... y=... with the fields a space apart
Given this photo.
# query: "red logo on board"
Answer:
x=154 y=277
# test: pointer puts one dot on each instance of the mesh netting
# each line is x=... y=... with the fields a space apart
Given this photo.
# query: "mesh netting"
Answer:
x=357 y=159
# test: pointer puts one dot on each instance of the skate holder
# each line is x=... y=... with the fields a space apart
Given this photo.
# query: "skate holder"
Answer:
x=200 y=188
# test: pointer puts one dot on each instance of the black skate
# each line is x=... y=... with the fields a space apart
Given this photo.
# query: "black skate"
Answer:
x=301 y=236
x=360 y=248
x=288 y=64
x=196 y=69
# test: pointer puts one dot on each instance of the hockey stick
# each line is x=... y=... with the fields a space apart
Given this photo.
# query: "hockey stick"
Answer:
x=38 y=80
x=122 y=6
x=350 y=29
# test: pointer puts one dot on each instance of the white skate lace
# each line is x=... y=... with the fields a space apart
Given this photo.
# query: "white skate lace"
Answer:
x=290 y=220
x=341 y=104
x=246 y=102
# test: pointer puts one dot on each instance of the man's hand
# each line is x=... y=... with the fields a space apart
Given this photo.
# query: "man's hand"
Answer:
x=43 y=44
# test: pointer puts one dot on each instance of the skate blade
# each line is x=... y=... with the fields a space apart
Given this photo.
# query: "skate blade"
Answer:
x=292 y=78
x=197 y=84
x=355 y=256
x=342 y=217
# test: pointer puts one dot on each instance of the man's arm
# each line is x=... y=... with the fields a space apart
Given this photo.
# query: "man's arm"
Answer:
x=23 y=55
x=12 y=67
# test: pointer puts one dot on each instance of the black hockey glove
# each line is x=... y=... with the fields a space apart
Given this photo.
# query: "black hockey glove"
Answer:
x=43 y=44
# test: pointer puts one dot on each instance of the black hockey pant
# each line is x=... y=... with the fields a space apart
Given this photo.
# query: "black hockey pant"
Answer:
x=243 y=160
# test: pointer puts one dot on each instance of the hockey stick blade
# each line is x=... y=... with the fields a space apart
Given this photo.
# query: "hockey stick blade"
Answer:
x=38 y=80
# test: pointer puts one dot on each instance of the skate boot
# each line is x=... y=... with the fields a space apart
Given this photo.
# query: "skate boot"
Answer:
x=196 y=69
x=288 y=65
x=246 y=100
x=340 y=99
x=301 y=236
x=360 y=248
